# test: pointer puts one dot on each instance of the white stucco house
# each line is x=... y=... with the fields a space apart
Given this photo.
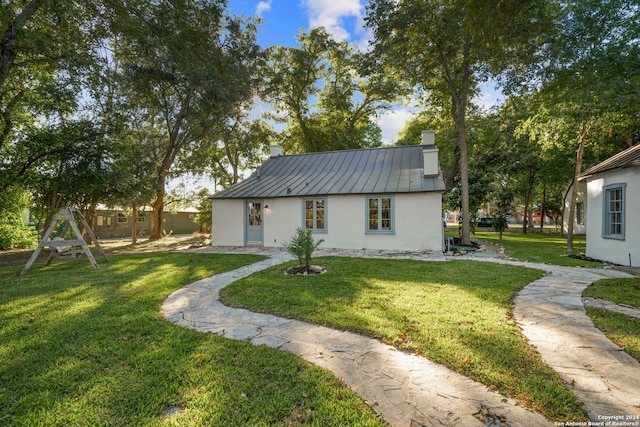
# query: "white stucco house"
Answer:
x=580 y=214
x=377 y=198
x=613 y=208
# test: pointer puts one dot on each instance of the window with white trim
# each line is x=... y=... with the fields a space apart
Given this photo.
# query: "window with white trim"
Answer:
x=380 y=214
x=315 y=214
x=613 y=211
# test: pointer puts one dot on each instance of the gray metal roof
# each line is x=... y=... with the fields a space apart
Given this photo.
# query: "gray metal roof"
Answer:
x=626 y=158
x=363 y=171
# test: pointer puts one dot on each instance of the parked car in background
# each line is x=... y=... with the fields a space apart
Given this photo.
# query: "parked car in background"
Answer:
x=485 y=222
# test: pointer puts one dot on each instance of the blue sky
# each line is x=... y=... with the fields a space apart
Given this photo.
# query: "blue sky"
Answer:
x=283 y=18
x=344 y=19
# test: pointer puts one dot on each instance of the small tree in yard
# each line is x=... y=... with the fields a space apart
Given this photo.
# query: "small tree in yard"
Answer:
x=501 y=214
x=302 y=246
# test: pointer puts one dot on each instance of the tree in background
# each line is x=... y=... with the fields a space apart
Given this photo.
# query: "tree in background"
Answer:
x=326 y=94
x=434 y=119
x=445 y=49
x=204 y=217
x=45 y=48
x=503 y=207
x=237 y=144
x=590 y=88
x=14 y=231
x=183 y=82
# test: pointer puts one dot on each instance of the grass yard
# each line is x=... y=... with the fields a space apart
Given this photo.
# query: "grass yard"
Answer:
x=81 y=347
x=456 y=313
x=623 y=291
x=622 y=330
x=536 y=247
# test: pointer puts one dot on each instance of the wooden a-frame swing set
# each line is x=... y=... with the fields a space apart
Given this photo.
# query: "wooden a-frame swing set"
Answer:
x=63 y=249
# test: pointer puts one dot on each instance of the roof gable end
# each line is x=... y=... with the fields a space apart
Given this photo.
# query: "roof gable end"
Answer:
x=627 y=158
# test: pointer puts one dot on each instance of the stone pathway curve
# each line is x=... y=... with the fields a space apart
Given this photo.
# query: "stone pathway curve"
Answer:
x=410 y=390
x=553 y=318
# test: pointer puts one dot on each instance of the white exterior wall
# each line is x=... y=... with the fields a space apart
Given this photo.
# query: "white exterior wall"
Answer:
x=582 y=198
x=228 y=224
x=614 y=250
x=417 y=222
x=281 y=219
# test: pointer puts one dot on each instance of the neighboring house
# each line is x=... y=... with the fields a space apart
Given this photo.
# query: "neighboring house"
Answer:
x=613 y=208
x=377 y=198
x=580 y=214
x=116 y=223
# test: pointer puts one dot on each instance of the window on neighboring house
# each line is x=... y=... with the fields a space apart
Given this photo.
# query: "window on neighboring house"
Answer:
x=380 y=214
x=122 y=218
x=315 y=214
x=580 y=213
x=613 y=212
x=142 y=218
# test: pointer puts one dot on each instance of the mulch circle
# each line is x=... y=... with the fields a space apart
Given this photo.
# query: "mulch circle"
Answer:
x=301 y=270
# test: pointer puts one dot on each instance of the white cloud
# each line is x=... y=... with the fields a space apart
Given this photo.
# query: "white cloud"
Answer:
x=263 y=6
x=392 y=122
x=490 y=95
x=331 y=14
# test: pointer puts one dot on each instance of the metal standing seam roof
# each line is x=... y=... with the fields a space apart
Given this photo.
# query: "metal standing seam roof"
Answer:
x=362 y=171
x=626 y=158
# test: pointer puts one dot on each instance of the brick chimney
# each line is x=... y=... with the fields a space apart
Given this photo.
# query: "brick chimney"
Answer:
x=430 y=163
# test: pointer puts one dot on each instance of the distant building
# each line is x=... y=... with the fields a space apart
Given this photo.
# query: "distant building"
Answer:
x=117 y=223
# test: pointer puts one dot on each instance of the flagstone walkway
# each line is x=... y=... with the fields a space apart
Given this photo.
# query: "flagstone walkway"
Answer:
x=408 y=390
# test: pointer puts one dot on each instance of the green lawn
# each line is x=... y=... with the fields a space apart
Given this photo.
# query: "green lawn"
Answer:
x=536 y=247
x=623 y=291
x=456 y=313
x=622 y=330
x=81 y=347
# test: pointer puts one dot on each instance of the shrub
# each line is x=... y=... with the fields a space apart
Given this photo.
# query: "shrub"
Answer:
x=14 y=232
x=302 y=246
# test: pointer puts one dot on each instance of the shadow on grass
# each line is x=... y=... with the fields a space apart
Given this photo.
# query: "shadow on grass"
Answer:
x=89 y=347
x=456 y=313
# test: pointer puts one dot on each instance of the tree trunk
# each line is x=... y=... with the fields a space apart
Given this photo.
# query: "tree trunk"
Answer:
x=542 y=209
x=90 y=216
x=564 y=208
x=527 y=220
x=155 y=229
x=460 y=105
x=464 y=180
x=9 y=41
x=574 y=193
x=134 y=223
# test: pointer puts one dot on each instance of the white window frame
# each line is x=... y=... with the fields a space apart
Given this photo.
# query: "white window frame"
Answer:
x=613 y=211
x=381 y=227
x=314 y=214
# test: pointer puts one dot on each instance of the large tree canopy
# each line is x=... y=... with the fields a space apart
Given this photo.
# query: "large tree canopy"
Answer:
x=588 y=99
x=187 y=68
x=105 y=100
x=445 y=48
x=326 y=94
